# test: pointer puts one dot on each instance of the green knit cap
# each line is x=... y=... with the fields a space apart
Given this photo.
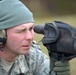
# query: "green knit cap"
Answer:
x=13 y=13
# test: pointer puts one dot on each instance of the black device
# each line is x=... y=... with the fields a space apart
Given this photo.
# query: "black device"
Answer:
x=59 y=39
x=2 y=38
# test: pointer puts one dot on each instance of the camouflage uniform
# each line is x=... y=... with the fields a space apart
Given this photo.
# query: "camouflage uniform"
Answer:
x=34 y=63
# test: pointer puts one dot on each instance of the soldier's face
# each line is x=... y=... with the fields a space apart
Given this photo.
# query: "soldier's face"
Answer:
x=19 y=38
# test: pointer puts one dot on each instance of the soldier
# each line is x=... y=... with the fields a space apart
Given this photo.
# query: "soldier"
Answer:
x=19 y=54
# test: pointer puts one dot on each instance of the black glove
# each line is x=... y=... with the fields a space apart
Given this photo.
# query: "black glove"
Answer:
x=61 y=39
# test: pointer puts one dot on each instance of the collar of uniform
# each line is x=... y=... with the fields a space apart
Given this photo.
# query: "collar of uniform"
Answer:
x=1 y=68
x=22 y=63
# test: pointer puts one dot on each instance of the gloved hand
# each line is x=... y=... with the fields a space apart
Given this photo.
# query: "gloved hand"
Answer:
x=62 y=68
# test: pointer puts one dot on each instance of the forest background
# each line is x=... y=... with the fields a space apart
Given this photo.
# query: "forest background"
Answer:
x=45 y=11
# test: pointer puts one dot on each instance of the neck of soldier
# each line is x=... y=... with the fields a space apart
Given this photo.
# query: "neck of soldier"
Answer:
x=8 y=56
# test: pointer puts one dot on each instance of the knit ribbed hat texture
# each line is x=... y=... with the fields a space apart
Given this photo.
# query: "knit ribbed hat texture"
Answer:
x=13 y=13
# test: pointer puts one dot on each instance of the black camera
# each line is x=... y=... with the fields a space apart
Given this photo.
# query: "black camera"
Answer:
x=59 y=37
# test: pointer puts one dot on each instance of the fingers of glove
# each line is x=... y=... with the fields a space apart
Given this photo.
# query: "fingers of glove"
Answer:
x=60 y=69
x=63 y=73
x=61 y=66
x=62 y=63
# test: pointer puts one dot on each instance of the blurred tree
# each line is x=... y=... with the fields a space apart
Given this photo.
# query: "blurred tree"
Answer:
x=53 y=6
x=65 y=6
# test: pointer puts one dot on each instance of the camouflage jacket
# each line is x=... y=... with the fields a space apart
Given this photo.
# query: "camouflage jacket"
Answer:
x=34 y=63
